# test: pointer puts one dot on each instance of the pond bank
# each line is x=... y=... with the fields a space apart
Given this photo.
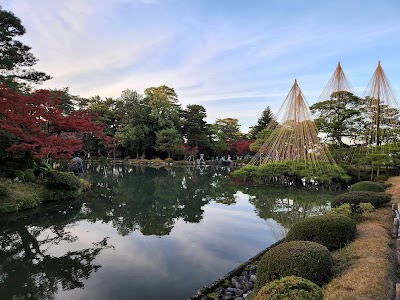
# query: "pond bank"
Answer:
x=366 y=269
x=237 y=283
x=16 y=195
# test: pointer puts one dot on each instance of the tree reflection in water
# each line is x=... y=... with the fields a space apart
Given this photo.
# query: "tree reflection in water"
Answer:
x=27 y=267
x=288 y=206
x=152 y=200
x=34 y=261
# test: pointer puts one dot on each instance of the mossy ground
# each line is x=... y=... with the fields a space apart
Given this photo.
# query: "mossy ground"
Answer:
x=17 y=196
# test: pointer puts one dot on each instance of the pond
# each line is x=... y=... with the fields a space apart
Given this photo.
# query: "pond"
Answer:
x=145 y=233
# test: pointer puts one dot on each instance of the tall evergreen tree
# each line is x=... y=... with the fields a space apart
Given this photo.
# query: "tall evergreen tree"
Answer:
x=262 y=122
x=194 y=127
x=16 y=59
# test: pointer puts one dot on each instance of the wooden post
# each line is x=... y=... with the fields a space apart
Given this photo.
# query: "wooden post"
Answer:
x=396 y=228
x=398 y=252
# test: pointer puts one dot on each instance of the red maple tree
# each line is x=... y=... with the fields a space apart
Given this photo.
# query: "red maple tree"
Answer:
x=240 y=147
x=38 y=125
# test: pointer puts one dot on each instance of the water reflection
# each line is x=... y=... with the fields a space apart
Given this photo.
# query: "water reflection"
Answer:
x=28 y=267
x=106 y=244
x=289 y=205
x=152 y=200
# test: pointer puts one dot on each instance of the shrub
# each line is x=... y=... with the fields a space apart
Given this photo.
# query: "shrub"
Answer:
x=4 y=192
x=63 y=180
x=344 y=209
x=20 y=174
x=30 y=201
x=299 y=258
x=354 y=211
x=85 y=185
x=245 y=172
x=29 y=175
x=168 y=160
x=367 y=186
x=380 y=178
x=290 y=287
x=331 y=230
x=355 y=198
x=366 y=207
x=60 y=195
x=7 y=207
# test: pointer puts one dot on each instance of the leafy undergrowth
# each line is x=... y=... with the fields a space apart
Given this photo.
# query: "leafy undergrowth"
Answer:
x=366 y=268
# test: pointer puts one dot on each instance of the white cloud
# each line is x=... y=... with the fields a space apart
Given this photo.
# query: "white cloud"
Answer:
x=104 y=47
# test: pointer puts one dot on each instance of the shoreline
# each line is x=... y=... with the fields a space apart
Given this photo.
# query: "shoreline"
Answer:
x=202 y=292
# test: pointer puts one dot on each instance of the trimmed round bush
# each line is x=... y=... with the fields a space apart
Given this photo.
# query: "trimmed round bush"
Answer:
x=334 y=231
x=63 y=180
x=367 y=186
x=305 y=259
x=168 y=160
x=354 y=198
x=290 y=287
x=380 y=178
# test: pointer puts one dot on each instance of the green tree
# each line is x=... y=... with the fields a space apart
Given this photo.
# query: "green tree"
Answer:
x=381 y=123
x=16 y=59
x=194 y=127
x=222 y=133
x=168 y=140
x=136 y=138
x=137 y=130
x=165 y=109
x=263 y=121
x=228 y=129
x=162 y=92
x=261 y=137
x=340 y=117
x=69 y=103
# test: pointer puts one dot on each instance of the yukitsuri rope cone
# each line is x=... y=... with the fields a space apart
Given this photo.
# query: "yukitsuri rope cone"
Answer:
x=337 y=83
x=383 y=125
x=294 y=141
x=340 y=93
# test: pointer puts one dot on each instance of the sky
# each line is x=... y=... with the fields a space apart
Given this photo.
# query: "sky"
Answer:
x=234 y=57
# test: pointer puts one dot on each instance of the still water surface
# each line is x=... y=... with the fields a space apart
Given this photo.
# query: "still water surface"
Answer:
x=145 y=233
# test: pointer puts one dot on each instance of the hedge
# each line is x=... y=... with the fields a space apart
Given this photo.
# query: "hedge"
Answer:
x=357 y=197
x=334 y=231
x=305 y=259
x=367 y=186
x=290 y=287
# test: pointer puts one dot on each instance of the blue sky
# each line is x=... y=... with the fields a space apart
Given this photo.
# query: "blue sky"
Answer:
x=233 y=57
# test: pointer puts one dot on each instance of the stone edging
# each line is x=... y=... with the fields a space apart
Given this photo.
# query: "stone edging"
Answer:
x=235 y=272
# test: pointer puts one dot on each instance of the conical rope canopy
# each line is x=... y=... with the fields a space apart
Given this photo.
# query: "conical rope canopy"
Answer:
x=295 y=136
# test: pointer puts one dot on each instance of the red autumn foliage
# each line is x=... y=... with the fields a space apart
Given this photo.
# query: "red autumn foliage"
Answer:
x=191 y=151
x=240 y=147
x=40 y=127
